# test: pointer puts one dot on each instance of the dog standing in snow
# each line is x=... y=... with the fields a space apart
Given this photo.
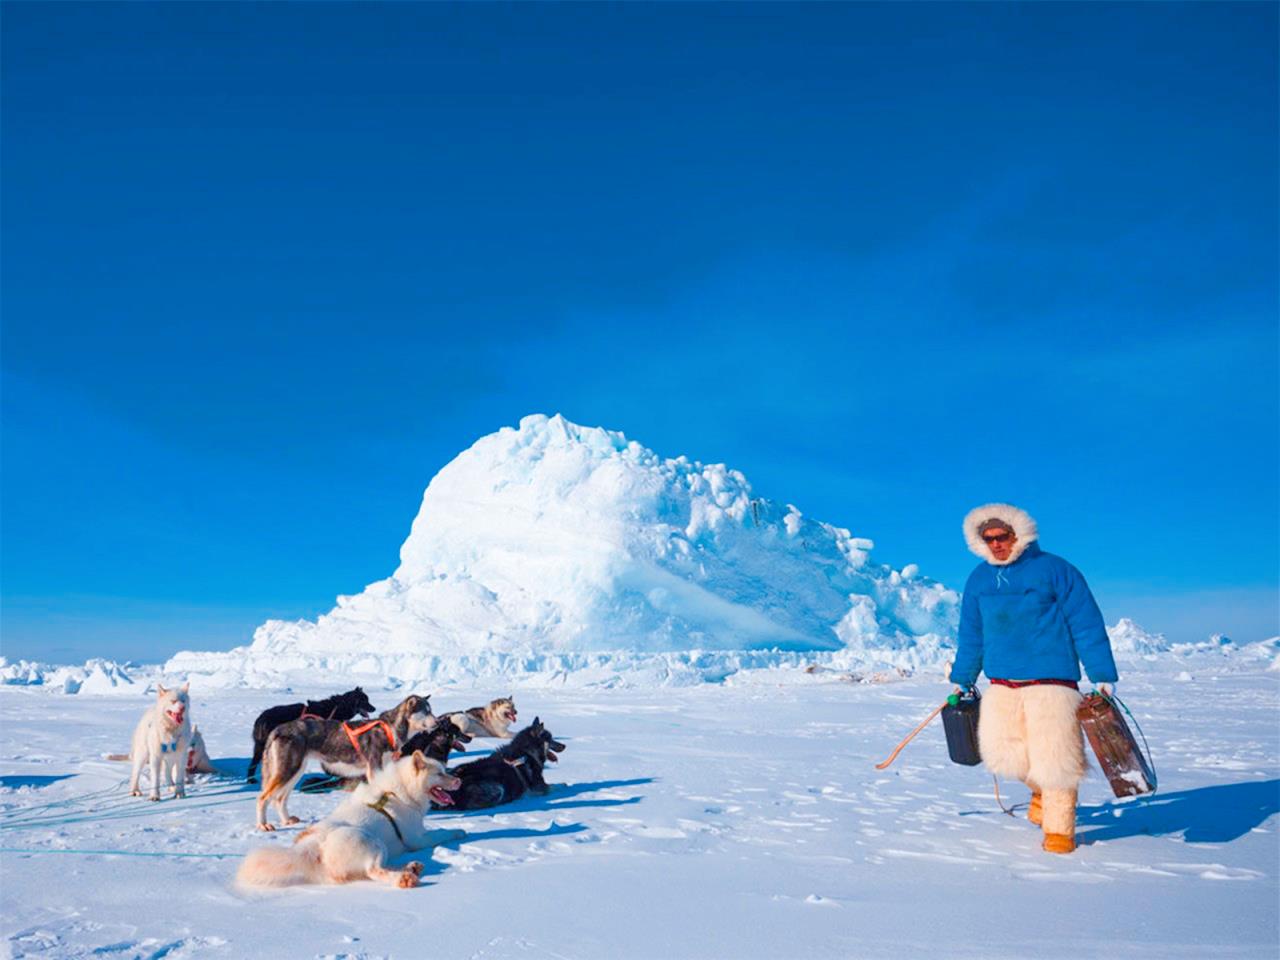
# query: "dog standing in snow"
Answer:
x=343 y=751
x=380 y=821
x=493 y=720
x=197 y=756
x=161 y=741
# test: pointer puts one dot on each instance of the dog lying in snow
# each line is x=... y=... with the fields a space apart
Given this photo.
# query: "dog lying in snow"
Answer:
x=344 y=750
x=437 y=742
x=380 y=821
x=161 y=742
x=507 y=773
x=494 y=720
x=341 y=706
x=197 y=756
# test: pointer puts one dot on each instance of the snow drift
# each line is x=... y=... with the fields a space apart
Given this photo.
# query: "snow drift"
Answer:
x=562 y=552
x=96 y=676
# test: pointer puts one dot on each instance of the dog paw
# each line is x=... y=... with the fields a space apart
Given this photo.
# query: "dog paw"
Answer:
x=155 y=797
x=409 y=876
x=292 y=820
x=135 y=793
x=266 y=828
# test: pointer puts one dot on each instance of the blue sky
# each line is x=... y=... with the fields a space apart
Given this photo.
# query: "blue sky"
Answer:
x=267 y=268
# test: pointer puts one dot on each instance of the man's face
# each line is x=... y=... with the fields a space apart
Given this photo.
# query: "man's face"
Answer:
x=1000 y=542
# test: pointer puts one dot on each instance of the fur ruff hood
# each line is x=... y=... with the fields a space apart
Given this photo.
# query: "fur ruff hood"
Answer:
x=1024 y=528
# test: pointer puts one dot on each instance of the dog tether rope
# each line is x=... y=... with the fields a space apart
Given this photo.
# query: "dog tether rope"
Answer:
x=910 y=736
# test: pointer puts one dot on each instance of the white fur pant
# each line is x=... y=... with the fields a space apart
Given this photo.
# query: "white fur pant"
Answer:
x=1032 y=734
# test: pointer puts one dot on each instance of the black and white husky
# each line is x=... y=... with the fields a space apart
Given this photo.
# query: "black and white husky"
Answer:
x=509 y=772
x=438 y=742
x=341 y=706
x=343 y=749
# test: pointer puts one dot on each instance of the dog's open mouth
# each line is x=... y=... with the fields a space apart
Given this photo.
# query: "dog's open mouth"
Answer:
x=440 y=797
x=553 y=756
x=176 y=715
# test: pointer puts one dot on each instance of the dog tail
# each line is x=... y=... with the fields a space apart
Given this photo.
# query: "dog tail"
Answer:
x=118 y=756
x=281 y=867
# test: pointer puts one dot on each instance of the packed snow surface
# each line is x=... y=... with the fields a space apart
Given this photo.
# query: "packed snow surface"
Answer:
x=710 y=821
x=570 y=553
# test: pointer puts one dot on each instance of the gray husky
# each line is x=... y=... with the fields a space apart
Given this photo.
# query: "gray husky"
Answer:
x=343 y=749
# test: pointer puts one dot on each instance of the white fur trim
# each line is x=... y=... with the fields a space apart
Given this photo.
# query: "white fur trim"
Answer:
x=1024 y=528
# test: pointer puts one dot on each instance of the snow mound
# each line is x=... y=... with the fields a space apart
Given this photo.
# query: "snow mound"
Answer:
x=1128 y=639
x=559 y=553
x=96 y=676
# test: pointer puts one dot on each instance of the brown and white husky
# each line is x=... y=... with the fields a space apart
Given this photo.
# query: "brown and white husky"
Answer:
x=494 y=720
x=343 y=749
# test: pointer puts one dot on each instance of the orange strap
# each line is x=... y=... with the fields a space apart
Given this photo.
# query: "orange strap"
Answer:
x=352 y=735
x=910 y=736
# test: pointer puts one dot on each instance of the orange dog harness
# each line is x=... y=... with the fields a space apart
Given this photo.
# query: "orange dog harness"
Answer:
x=354 y=735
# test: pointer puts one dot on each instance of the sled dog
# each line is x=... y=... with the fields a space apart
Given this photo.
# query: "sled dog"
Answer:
x=161 y=741
x=380 y=821
x=437 y=742
x=197 y=756
x=494 y=720
x=341 y=706
x=343 y=749
x=508 y=772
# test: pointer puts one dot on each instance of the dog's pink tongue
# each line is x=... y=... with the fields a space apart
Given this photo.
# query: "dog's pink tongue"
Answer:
x=440 y=797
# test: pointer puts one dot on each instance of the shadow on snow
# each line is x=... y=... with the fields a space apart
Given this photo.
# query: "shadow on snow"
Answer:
x=1217 y=814
x=553 y=802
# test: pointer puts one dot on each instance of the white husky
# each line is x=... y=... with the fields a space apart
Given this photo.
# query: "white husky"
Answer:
x=379 y=821
x=162 y=739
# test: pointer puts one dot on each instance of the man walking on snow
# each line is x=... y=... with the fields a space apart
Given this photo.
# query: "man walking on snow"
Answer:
x=1027 y=621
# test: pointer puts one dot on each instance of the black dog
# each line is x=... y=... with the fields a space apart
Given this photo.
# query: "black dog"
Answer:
x=341 y=706
x=437 y=742
x=508 y=772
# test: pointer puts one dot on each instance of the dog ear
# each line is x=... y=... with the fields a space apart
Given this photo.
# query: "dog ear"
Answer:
x=160 y=690
x=419 y=761
x=186 y=687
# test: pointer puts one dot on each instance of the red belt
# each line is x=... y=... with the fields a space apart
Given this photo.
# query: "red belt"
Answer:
x=1019 y=684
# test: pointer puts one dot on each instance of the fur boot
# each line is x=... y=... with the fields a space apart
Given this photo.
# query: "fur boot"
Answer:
x=1059 y=821
x=1035 y=812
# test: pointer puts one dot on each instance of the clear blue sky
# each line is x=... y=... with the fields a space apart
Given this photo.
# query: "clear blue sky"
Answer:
x=267 y=268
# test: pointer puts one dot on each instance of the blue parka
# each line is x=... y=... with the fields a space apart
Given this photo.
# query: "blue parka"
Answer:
x=1032 y=619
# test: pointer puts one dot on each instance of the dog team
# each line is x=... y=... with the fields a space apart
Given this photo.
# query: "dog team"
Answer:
x=396 y=763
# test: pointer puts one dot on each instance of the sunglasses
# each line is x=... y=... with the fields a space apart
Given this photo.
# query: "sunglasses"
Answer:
x=997 y=538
